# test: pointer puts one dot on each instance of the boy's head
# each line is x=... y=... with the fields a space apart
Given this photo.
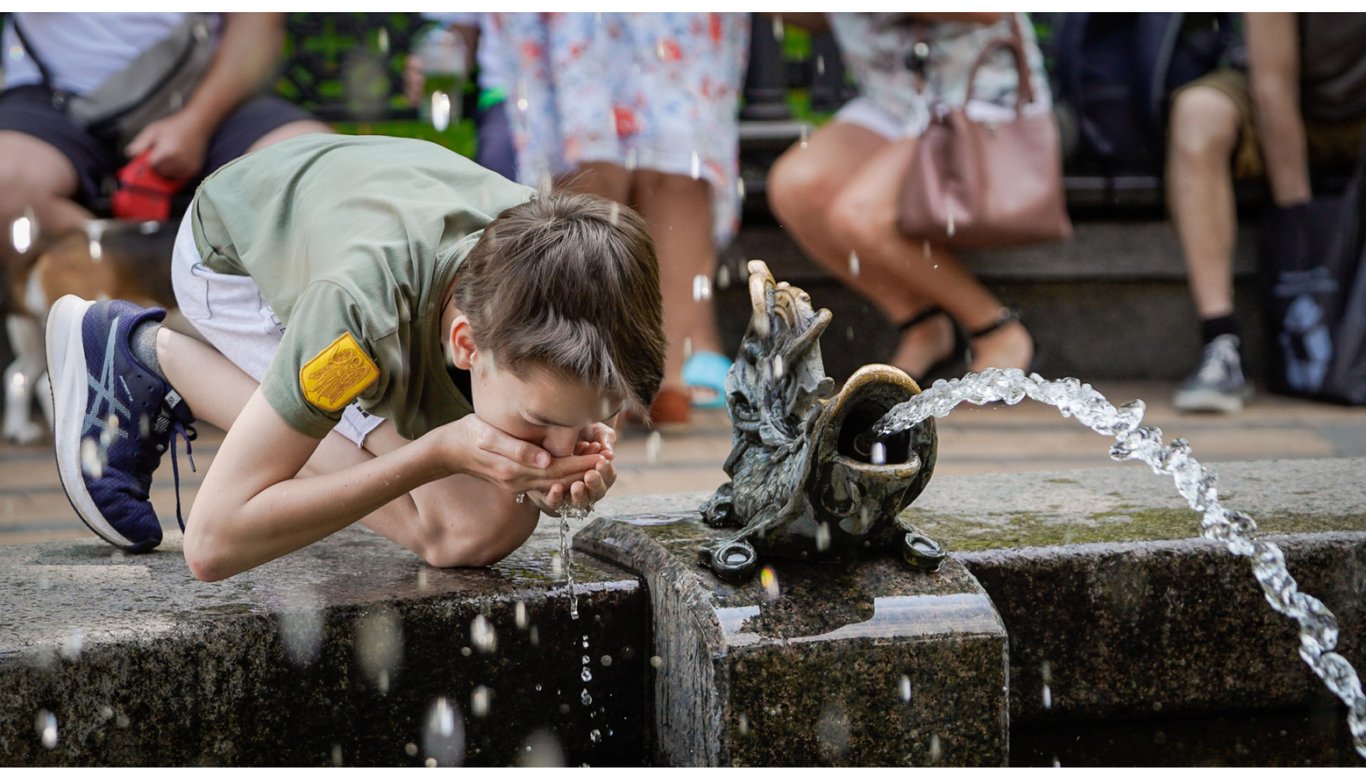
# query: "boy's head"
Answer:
x=568 y=284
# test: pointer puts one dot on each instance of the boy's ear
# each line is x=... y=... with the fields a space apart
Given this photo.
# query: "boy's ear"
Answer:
x=462 y=346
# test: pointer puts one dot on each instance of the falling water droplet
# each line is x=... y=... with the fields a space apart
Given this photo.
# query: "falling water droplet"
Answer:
x=905 y=688
x=769 y=581
x=72 y=645
x=337 y=755
x=379 y=645
x=556 y=565
x=46 y=725
x=701 y=288
x=382 y=40
x=820 y=66
x=519 y=615
x=479 y=701
x=879 y=454
x=21 y=233
x=653 y=445
x=853 y=264
x=687 y=348
x=722 y=277
x=936 y=748
x=92 y=464
x=586 y=674
x=441 y=110
x=822 y=537
x=778 y=29
x=606 y=661
x=1047 y=697
x=761 y=326
x=804 y=132
x=585 y=698
x=443 y=736
x=482 y=635
x=656 y=662
x=740 y=188
x=925 y=248
x=96 y=249
x=744 y=724
x=542 y=749
x=695 y=169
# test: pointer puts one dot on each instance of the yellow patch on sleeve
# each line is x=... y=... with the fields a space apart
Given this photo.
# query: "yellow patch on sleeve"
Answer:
x=338 y=374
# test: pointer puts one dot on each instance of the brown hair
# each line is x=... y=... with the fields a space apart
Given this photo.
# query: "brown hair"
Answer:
x=569 y=281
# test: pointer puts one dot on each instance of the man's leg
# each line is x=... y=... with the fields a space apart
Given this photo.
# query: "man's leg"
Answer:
x=1205 y=126
x=1204 y=131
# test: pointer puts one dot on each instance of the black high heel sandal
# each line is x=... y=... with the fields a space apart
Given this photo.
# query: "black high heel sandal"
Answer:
x=952 y=364
x=1007 y=316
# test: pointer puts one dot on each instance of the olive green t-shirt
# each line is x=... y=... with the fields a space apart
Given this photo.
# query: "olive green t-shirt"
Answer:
x=353 y=241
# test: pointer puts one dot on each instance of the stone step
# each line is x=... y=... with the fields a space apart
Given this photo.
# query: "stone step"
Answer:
x=1111 y=302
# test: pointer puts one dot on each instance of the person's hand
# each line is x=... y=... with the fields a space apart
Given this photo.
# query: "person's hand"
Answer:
x=474 y=447
x=597 y=440
x=177 y=145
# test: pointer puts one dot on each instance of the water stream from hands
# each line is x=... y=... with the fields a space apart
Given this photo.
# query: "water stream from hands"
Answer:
x=1197 y=484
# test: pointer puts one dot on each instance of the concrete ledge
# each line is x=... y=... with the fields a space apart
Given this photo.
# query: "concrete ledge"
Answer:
x=336 y=652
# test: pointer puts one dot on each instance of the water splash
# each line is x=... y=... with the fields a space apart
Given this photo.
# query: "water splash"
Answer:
x=1196 y=484
x=443 y=736
x=45 y=723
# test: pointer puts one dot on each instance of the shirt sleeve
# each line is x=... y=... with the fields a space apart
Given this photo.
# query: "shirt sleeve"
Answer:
x=325 y=361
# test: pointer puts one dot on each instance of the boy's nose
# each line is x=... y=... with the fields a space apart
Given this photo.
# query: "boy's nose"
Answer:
x=560 y=441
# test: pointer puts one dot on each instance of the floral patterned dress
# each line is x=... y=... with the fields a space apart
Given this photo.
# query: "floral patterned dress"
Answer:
x=653 y=91
x=895 y=100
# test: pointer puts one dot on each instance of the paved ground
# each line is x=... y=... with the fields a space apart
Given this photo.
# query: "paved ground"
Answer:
x=979 y=440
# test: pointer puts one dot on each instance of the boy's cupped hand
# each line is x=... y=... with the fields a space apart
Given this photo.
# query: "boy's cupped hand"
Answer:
x=479 y=449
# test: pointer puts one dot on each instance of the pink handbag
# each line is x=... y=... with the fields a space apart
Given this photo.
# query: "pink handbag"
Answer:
x=982 y=184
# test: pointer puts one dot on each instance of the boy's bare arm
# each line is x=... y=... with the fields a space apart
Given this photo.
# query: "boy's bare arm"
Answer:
x=253 y=506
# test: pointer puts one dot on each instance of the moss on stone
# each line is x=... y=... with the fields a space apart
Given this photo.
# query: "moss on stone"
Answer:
x=1122 y=523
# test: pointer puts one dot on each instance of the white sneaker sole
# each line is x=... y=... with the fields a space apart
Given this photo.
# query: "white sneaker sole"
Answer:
x=67 y=372
x=1207 y=401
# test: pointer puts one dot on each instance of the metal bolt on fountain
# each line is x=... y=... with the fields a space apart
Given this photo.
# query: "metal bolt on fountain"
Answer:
x=809 y=479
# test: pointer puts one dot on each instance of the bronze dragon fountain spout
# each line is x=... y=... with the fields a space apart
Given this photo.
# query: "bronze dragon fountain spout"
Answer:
x=808 y=478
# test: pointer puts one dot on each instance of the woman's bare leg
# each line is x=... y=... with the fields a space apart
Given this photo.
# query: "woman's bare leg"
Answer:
x=678 y=211
x=864 y=214
x=801 y=187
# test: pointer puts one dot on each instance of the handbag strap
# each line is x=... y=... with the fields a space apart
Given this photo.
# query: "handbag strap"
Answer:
x=1014 y=42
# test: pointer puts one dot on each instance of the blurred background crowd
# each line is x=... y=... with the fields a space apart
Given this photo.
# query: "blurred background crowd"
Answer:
x=707 y=123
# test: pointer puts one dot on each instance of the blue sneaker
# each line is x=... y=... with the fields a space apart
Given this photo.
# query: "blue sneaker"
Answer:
x=113 y=419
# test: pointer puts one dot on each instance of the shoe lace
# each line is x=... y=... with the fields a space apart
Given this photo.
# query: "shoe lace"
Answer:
x=171 y=425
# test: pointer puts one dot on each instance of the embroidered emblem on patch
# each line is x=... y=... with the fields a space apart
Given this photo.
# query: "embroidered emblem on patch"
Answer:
x=339 y=373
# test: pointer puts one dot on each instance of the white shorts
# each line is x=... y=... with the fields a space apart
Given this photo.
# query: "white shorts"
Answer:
x=232 y=315
x=868 y=113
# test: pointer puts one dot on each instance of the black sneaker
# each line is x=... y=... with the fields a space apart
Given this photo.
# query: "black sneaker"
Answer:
x=1218 y=385
x=113 y=419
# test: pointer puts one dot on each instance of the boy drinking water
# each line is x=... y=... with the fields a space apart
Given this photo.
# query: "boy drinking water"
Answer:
x=396 y=336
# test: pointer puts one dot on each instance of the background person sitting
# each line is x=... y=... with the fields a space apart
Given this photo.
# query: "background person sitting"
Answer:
x=1300 y=103
x=837 y=191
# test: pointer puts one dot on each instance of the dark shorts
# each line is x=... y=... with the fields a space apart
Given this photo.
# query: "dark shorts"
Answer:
x=1330 y=144
x=28 y=109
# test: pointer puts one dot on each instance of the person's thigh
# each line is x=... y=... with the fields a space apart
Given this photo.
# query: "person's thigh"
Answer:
x=871 y=193
x=811 y=173
x=44 y=153
x=261 y=118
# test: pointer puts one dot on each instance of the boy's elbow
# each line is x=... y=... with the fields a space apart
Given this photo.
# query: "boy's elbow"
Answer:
x=206 y=562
